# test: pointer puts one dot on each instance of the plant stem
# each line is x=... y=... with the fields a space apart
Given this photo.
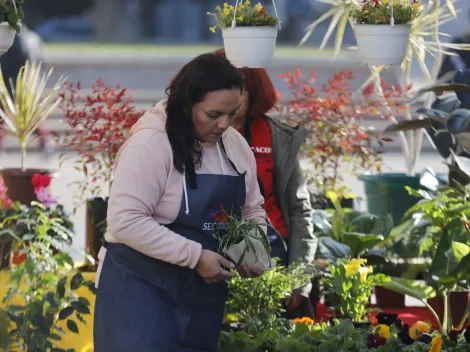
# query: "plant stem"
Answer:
x=23 y=157
x=434 y=314
x=445 y=323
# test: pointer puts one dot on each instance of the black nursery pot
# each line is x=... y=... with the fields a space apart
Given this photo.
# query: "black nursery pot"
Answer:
x=320 y=202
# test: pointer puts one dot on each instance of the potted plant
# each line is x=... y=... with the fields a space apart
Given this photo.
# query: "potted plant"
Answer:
x=42 y=299
x=243 y=241
x=337 y=143
x=249 y=33
x=383 y=29
x=22 y=113
x=100 y=123
x=257 y=304
x=11 y=15
x=352 y=281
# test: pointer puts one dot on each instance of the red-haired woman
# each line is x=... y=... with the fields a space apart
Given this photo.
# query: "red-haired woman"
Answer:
x=287 y=201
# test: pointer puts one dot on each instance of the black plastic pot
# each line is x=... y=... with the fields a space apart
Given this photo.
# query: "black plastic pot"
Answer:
x=320 y=202
x=96 y=214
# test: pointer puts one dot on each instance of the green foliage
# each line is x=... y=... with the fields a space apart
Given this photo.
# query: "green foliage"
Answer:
x=11 y=11
x=21 y=221
x=246 y=16
x=349 y=233
x=258 y=302
x=376 y=12
x=340 y=337
x=230 y=230
x=42 y=287
x=352 y=283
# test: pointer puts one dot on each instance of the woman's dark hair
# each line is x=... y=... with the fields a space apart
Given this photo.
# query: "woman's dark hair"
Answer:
x=204 y=74
x=263 y=95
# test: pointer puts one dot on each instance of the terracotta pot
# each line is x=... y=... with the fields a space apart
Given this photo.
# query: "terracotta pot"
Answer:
x=388 y=298
x=19 y=183
x=96 y=213
x=458 y=305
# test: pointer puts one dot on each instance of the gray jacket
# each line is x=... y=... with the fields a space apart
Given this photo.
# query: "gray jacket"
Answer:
x=291 y=191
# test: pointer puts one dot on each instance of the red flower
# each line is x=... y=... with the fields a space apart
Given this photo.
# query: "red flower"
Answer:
x=40 y=181
x=220 y=216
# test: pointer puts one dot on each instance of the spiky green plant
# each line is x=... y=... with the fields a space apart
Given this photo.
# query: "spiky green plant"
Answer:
x=29 y=104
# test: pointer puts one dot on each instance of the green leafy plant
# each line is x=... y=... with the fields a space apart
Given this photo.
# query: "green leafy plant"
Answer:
x=352 y=281
x=11 y=11
x=380 y=12
x=257 y=304
x=29 y=105
x=231 y=230
x=348 y=233
x=246 y=16
x=45 y=286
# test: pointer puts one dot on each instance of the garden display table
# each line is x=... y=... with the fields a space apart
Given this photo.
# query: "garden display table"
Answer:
x=82 y=342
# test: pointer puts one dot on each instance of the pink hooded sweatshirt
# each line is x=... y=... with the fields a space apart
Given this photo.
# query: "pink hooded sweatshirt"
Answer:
x=147 y=190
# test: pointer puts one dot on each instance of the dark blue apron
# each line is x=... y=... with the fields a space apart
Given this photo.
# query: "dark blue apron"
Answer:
x=147 y=305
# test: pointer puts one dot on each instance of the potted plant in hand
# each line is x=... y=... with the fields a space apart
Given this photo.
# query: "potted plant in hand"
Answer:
x=100 y=126
x=243 y=241
x=11 y=15
x=249 y=33
x=22 y=113
x=336 y=141
x=383 y=29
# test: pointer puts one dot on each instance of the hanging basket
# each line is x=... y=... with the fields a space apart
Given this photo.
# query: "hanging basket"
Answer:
x=7 y=35
x=382 y=44
x=251 y=47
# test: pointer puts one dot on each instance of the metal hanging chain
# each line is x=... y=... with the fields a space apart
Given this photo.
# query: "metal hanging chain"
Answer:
x=14 y=5
x=392 y=20
x=234 y=21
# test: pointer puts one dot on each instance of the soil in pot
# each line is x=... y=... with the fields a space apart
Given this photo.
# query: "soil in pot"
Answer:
x=18 y=182
x=96 y=213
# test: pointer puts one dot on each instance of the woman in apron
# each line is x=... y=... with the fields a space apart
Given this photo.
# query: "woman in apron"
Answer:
x=162 y=286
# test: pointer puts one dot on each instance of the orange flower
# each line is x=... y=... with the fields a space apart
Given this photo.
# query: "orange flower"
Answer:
x=419 y=328
x=304 y=320
x=375 y=322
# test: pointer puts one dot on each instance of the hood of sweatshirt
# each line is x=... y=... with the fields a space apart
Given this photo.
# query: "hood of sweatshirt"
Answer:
x=154 y=119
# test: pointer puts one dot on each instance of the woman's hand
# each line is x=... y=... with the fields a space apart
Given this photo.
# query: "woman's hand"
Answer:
x=210 y=267
x=247 y=272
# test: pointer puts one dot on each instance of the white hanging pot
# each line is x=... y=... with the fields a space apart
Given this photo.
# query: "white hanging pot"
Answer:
x=7 y=35
x=382 y=44
x=251 y=47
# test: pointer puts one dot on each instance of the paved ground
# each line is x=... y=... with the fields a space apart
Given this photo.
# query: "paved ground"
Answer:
x=67 y=174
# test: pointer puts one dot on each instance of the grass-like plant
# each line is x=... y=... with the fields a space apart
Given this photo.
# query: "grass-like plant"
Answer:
x=230 y=230
x=29 y=104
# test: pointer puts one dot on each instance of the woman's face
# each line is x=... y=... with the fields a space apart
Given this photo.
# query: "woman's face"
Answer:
x=213 y=116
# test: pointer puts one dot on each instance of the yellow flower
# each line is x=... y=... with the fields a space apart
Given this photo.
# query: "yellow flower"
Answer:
x=225 y=5
x=247 y=2
x=258 y=7
x=385 y=1
x=383 y=330
x=240 y=18
x=364 y=271
x=416 y=6
x=212 y=29
x=436 y=344
x=418 y=328
x=226 y=11
x=354 y=266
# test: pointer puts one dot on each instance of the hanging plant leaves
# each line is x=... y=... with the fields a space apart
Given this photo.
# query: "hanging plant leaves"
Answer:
x=458 y=122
